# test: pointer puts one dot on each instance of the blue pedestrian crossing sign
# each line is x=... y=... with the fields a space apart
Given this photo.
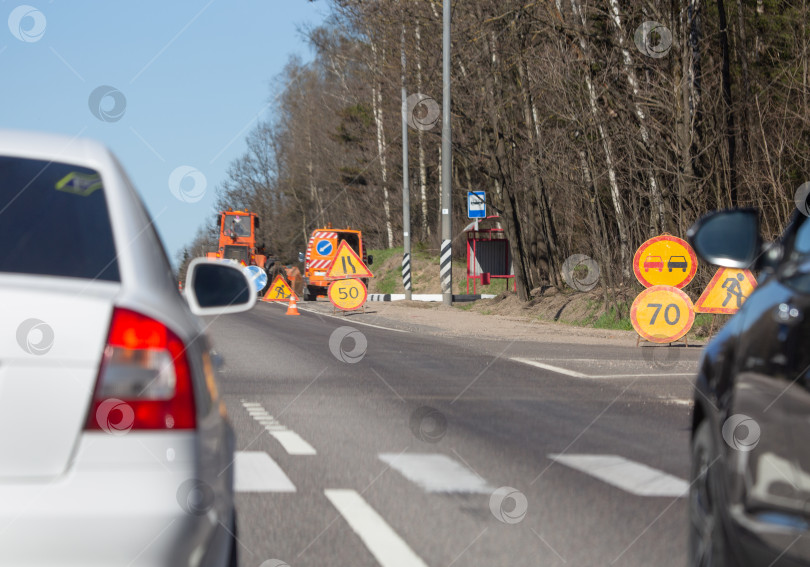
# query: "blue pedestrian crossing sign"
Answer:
x=476 y=204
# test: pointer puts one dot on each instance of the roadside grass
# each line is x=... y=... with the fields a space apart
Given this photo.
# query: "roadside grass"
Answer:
x=386 y=282
x=600 y=318
x=610 y=319
x=390 y=281
x=380 y=256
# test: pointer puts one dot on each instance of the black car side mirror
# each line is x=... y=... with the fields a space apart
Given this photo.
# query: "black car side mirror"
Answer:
x=728 y=238
x=370 y=260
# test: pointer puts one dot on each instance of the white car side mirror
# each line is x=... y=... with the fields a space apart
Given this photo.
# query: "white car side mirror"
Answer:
x=215 y=287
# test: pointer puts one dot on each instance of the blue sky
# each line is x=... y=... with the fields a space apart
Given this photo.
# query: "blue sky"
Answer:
x=188 y=80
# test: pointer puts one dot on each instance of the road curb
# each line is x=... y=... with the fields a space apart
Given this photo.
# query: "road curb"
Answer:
x=435 y=297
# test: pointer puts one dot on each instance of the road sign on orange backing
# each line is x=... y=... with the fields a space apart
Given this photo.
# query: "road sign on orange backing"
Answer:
x=347 y=294
x=726 y=292
x=347 y=264
x=279 y=290
x=665 y=260
x=662 y=314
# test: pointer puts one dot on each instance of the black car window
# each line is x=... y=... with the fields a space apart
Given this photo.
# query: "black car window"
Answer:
x=54 y=221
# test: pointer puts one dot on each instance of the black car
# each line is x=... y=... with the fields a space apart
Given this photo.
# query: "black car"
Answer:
x=749 y=501
x=677 y=262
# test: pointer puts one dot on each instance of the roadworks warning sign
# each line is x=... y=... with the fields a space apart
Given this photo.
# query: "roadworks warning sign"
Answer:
x=347 y=264
x=726 y=292
x=279 y=290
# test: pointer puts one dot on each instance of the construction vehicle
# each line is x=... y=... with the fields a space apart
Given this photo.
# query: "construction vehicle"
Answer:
x=321 y=250
x=237 y=242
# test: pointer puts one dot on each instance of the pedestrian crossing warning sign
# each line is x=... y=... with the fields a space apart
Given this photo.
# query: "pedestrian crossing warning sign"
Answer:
x=279 y=290
x=726 y=292
x=347 y=264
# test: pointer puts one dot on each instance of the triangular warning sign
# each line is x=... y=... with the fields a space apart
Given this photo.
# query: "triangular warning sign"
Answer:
x=726 y=292
x=347 y=264
x=279 y=290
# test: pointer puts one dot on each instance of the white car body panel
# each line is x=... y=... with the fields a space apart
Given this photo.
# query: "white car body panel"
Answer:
x=75 y=497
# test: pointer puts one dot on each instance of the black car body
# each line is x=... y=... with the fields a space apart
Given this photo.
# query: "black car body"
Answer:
x=749 y=498
x=676 y=262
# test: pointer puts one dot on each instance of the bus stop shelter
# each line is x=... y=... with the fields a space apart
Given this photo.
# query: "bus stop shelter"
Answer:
x=488 y=253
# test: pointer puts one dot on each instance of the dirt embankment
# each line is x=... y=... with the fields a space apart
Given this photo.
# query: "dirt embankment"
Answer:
x=577 y=310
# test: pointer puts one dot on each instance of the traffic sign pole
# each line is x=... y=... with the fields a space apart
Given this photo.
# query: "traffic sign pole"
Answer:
x=446 y=251
x=406 y=191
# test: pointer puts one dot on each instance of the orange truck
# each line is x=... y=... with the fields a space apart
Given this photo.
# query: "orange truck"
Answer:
x=321 y=250
x=237 y=238
x=237 y=242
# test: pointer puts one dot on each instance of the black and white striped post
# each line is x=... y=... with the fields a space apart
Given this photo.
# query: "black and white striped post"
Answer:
x=406 y=272
x=445 y=263
x=446 y=267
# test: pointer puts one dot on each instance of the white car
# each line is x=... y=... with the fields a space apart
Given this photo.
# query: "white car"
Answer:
x=115 y=448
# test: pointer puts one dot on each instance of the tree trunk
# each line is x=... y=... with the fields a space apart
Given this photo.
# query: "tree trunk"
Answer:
x=624 y=243
x=728 y=109
x=509 y=217
x=657 y=213
x=546 y=219
x=377 y=110
x=420 y=141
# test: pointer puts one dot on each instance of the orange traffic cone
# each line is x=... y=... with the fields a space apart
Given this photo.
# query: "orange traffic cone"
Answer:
x=292 y=309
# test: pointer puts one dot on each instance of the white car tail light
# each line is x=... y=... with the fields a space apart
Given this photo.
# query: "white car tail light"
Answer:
x=145 y=379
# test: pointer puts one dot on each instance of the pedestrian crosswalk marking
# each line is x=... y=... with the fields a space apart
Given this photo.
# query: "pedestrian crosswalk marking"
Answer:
x=436 y=472
x=256 y=471
x=625 y=474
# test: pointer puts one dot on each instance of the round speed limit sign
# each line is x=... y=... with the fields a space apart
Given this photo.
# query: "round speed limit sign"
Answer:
x=662 y=314
x=347 y=294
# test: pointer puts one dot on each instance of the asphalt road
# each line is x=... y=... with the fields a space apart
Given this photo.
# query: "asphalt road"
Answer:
x=407 y=449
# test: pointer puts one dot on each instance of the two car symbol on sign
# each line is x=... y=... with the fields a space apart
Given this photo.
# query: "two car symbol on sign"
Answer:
x=657 y=263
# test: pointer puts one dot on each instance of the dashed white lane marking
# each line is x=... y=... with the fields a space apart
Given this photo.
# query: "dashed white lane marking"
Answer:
x=293 y=443
x=436 y=473
x=343 y=318
x=625 y=474
x=383 y=542
x=575 y=374
x=255 y=471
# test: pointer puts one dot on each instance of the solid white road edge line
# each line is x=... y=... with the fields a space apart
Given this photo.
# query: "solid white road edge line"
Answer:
x=557 y=369
x=575 y=374
x=383 y=542
x=625 y=474
x=343 y=318
x=256 y=471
